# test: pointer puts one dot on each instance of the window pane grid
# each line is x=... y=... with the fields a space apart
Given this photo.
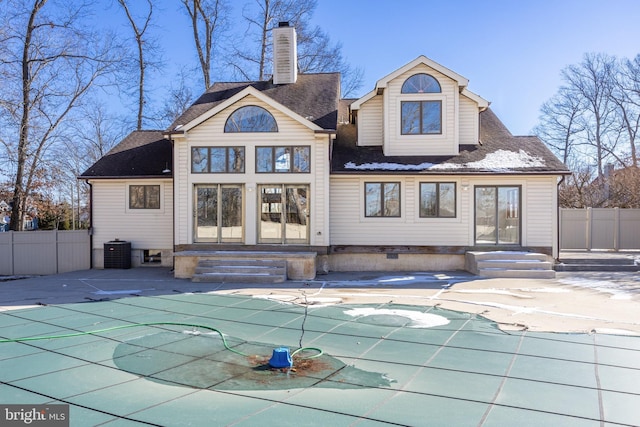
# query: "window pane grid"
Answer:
x=144 y=197
x=283 y=159
x=421 y=117
x=217 y=160
x=437 y=200
x=382 y=199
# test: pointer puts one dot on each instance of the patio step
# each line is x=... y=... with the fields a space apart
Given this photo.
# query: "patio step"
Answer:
x=241 y=271
x=597 y=264
x=510 y=264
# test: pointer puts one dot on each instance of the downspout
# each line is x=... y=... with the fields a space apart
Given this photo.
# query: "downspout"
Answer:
x=558 y=216
x=173 y=213
x=90 y=224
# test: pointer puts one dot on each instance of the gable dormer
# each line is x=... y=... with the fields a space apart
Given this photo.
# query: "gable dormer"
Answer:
x=422 y=108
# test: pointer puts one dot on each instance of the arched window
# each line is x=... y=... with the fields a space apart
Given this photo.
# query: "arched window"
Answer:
x=421 y=115
x=251 y=119
x=421 y=83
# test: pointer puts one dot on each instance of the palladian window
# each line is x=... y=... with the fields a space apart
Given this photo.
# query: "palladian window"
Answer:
x=251 y=118
x=421 y=116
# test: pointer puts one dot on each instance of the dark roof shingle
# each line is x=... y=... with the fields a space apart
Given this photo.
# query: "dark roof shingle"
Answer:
x=141 y=154
x=313 y=96
x=499 y=152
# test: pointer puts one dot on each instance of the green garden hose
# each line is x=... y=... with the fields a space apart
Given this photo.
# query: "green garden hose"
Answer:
x=135 y=325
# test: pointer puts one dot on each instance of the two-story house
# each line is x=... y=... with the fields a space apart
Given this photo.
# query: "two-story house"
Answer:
x=411 y=176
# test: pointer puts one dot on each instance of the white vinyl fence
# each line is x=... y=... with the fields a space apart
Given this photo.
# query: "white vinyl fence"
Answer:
x=600 y=228
x=43 y=252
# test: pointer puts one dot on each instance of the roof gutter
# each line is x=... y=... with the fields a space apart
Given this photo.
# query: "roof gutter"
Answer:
x=87 y=178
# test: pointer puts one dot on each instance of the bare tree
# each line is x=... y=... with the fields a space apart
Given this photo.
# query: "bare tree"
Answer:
x=252 y=58
x=51 y=61
x=316 y=53
x=626 y=96
x=142 y=44
x=592 y=82
x=179 y=99
x=560 y=123
x=208 y=22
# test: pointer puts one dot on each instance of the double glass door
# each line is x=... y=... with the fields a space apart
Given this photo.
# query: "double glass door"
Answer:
x=218 y=213
x=497 y=215
x=283 y=214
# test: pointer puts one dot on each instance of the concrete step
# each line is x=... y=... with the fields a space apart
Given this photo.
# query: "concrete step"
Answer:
x=603 y=260
x=511 y=255
x=510 y=264
x=594 y=266
x=515 y=264
x=241 y=271
x=517 y=274
x=240 y=261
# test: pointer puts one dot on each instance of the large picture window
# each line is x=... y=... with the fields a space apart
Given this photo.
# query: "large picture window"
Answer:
x=382 y=199
x=421 y=117
x=437 y=199
x=283 y=159
x=217 y=159
x=144 y=197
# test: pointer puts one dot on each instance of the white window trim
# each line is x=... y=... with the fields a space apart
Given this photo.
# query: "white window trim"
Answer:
x=422 y=97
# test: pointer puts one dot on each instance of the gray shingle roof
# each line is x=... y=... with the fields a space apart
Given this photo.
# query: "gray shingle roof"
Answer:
x=141 y=154
x=313 y=96
x=499 y=152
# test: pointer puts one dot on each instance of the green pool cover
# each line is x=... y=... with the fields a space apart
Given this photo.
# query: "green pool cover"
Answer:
x=203 y=360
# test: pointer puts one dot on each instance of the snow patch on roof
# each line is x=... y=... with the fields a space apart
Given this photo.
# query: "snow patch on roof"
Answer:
x=388 y=166
x=504 y=160
x=500 y=160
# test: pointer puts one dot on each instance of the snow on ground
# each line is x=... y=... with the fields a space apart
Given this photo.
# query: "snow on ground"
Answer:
x=617 y=290
x=416 y=318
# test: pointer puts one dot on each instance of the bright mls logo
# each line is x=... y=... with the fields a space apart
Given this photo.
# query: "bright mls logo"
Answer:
x=34 y=415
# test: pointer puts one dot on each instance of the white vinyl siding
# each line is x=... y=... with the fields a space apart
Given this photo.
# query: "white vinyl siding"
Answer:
x=144 y=228
x=370 y=129
x=539 y=211
x=445 y=143
x=290 y=133
x=469 y=121
x=349 y=226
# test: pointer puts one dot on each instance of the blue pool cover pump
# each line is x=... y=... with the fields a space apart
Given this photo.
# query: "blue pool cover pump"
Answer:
x=281 y=358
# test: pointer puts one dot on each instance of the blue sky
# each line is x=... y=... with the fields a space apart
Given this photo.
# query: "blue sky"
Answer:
x=512 y=51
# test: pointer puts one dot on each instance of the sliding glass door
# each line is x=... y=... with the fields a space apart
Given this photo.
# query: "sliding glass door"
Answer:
x=497 y=215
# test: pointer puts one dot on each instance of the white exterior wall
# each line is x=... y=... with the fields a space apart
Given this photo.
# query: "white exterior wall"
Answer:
x=541 y=210
x=144 y=228
x=290 y=133
x=370 y=130
x=446 y=143
x=349 y=226
x=469 y=121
